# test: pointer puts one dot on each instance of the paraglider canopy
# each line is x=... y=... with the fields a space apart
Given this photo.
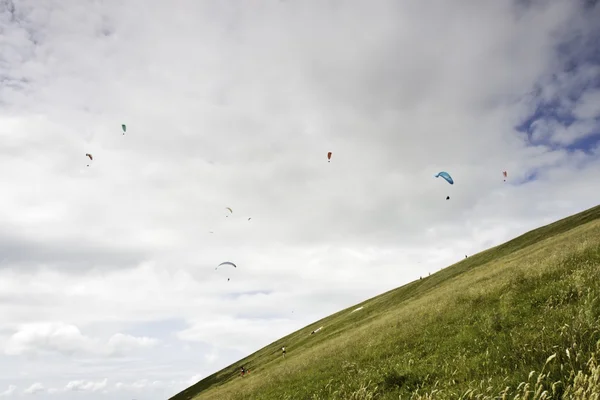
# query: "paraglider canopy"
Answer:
x=504 y=173
x=329 y=156
x=226 y=263
x=89 y=155
x=124 y=127
x=446 y=176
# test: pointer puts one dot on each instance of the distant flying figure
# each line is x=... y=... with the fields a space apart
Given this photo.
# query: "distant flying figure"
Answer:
x=124 y=127
x=329 y=157
x=249 y=218
x=90 y=156
x=447 y=197
x=504 y=173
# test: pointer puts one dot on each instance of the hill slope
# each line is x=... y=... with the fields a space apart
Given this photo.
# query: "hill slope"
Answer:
x=476 y=329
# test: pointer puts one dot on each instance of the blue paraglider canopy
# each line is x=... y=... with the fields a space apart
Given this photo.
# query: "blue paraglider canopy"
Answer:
x=446 y=176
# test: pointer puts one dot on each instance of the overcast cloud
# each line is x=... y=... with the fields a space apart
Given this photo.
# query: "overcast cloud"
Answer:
x=108 y=287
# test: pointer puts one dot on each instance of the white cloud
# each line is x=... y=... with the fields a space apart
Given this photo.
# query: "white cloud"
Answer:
x=8 y=392
x=48 y=337
x=556 y=132
x=238 y=333
x=212 y=356
x=123 y=344
x=588 y=105
x=34 y=388
x=86 y=386
x=194 y=379
x=107 y=271
x=68 y=340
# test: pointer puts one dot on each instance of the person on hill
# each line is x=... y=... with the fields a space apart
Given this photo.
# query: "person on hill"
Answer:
x=242 y=371
x=283 y=351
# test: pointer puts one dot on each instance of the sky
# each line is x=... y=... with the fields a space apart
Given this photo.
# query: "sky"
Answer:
x=108 y=286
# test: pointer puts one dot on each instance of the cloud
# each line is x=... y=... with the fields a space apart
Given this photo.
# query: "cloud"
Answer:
x=123 y=344
x=237 y=333
x=23 y=252
x=8 y=392
x=34 y=388
x=86 y=386
x=108 y=271
x=588 y=106
x=48 y=337
x=68 y=340
x=156 y=385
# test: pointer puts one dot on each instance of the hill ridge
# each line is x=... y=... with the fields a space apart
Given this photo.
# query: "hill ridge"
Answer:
x=556 y=243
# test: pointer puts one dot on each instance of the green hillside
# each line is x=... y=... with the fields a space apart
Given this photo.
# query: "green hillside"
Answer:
x=520 y=320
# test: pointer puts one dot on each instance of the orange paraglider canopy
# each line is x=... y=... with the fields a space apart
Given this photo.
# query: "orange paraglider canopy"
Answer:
x=504 y=173
x=329 y=156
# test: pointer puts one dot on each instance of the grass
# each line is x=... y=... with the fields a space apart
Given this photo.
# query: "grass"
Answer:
x=517 y=321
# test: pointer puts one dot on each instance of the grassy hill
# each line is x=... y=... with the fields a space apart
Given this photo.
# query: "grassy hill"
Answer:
x=519 y=321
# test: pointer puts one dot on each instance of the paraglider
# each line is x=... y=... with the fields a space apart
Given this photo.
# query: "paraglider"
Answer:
x=230 y=210
x=448 y=179
x=504 y=173
x=226 y=263
x=124 y=127
x=329 y=157
x=249 y=218
x=90 y=156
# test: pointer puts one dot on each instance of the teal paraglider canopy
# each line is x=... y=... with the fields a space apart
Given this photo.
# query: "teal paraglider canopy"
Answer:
x=446 y=176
